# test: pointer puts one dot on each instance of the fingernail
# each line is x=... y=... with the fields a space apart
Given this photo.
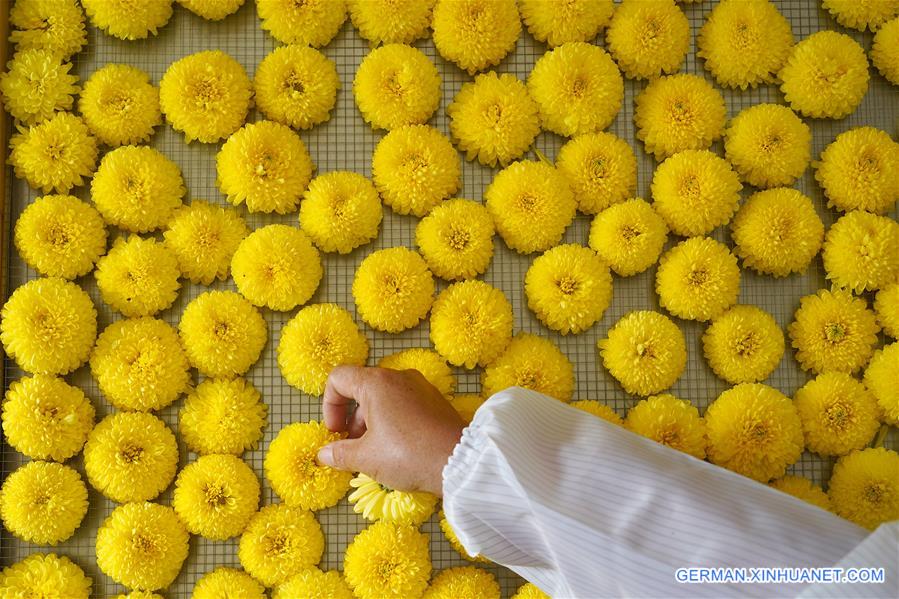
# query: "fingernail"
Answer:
x=326 y=456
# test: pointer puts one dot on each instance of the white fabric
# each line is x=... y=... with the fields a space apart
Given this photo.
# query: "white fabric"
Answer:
x=584 y=508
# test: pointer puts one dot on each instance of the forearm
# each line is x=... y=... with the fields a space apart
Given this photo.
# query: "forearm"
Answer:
x=585 y=508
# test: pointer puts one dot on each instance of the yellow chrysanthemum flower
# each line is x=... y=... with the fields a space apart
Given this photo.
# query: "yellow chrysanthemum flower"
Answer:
x=293 y=470
x=45 y=418
x=56 y=155
x=223 y=416
x=128 y=20
x=754 y=430
x=48 y=326
x=297 y=86
x=36 y=84
x=768 y=145
x=475 y=34
x=525 y=193
x=859 y=170
x=415 y=168
x=60 y=236
x=276 y=267
x=54 y=25
x=577 y=88
x=670 y=421
x=212 y=10
x=377 y=502
x=308 y=23
x=427 y=362
x=142 y=546
x=601 y=169
x=777 y=232
x=629 y=236
x=531 y=362
x=227 y=582
x=645 y=352
x=216 y=496
x=880 y=378
x=695 y=191
x=698 y=279
x=864 y=487
x=456 y=239
x=744 y=43
x=393 y=289
x=316 y=340
x=266 y=166
x=862 y=14
x=203 y=237
x=838 y=414
x=832 y=330
x=884 y=55
x=396 y=85
x=861 y=251
x=138 y=277
x=743 y=345
x=802 y=488
x=559 y=21
x=465 y=581
x=137 y=188
x=140 y=364
x=598 y=409
x=466 y=404
x=826 y=75
x=205 y=95
x=223 y=334
x=120 y=105
x=453 y=540
x=43 y=502
x=529 y=591
x=280 y=542
x=391 y=21
x=471 y=323
x=648 y=38
x=494 y=119
x=569 y=288
x=312 y=583
x=677 y=113
x=139 y=595
x=131 y=456
x=45 y=575
x=886 y=306
x=388 y=560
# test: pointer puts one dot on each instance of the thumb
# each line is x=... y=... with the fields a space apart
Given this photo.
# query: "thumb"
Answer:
x=342 y=455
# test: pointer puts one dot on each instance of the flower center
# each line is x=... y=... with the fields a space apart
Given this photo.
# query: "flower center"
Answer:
x=669 y=436
x=839 y=415
x=747 y=345
x=834 y=332
x=144 y=543
x=206 y=93
x=277 y=543
x=294 y=85
x=459 y=238
x=597 y=168
x=629 y=232
x=645 y=350
x=528 y=379
x=215 y=495
x=875 y=492
x=57 y=235
x=494 y=114
x=568 y=284
x=527 y=202
x=698 y=277
x=130 y=453
x=579 y=87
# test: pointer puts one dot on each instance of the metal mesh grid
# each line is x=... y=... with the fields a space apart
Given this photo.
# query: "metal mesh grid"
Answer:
x=345 y=142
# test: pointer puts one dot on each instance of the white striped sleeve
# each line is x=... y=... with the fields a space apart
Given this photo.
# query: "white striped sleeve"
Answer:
x=584 y=508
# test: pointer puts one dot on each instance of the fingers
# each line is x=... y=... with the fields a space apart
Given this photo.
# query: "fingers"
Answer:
x=341 y=390
x=343 y=455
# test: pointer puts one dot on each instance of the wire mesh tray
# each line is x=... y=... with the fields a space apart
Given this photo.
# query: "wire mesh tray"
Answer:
x=345 y=142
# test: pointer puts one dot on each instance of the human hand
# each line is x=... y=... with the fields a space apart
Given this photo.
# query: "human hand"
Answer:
x=401 y=433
